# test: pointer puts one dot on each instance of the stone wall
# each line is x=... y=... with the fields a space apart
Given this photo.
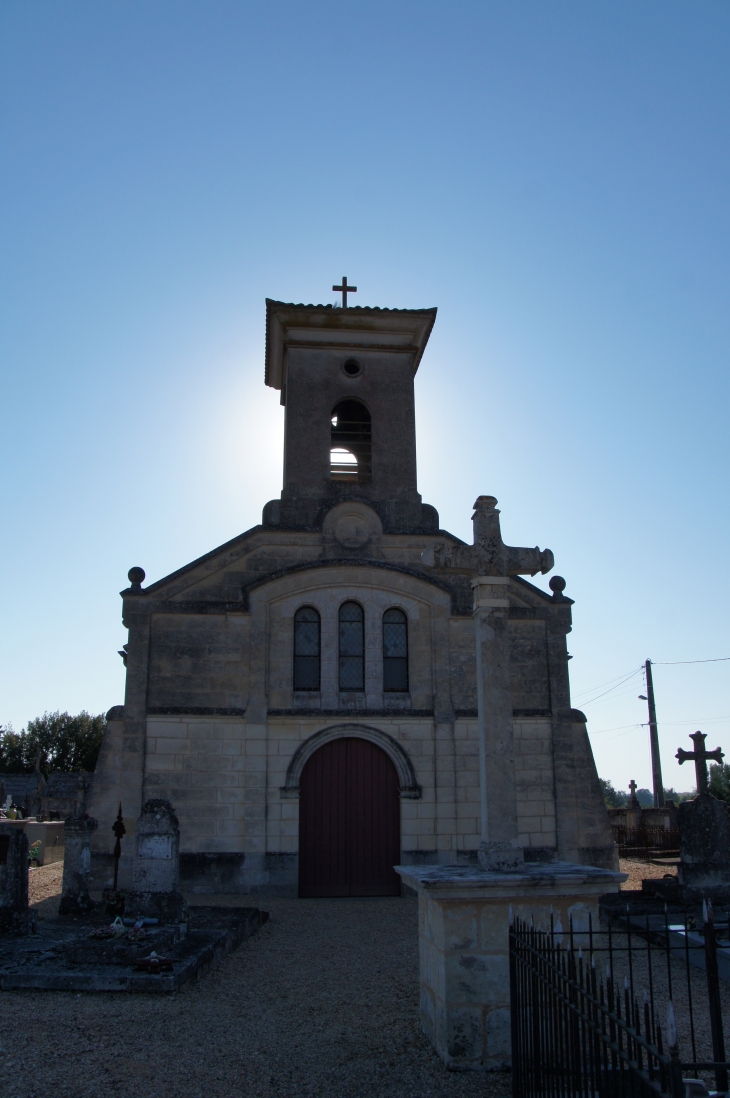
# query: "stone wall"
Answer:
x=196 y=660
x=227 y=780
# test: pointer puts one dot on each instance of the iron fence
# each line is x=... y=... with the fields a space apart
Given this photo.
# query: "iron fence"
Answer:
x=643 y=843
x=621 y=1013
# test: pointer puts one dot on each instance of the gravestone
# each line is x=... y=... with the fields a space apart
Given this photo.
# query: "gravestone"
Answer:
x=156 y=871
x=704 y=826
x=75 y=899
x=14 y=915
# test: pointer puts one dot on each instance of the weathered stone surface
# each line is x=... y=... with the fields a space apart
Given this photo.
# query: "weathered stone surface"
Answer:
x=14 y=915
x=64 y=958
x=704 y=867
x=157 y=865
x=464 y=946
x=82 y=950
x=75 y=898
x=156 y=873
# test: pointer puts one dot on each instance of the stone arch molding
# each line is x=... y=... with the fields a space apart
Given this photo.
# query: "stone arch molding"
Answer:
x=409 y=787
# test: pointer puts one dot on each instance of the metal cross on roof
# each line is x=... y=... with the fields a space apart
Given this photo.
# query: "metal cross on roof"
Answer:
x=344 y=289
x=699 y=756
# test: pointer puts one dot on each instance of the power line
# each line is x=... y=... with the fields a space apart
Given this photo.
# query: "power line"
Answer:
x=644 y=724
x=630 y=676
x=615 y=728
x=675 y=663
x=600 y=685
x=698 y=720
x=626 y=690
x=625 y=678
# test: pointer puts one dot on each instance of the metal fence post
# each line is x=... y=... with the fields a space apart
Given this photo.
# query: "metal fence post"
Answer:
x=713 y=995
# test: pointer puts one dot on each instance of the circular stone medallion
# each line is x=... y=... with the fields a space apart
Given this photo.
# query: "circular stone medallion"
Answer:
x=351 y=531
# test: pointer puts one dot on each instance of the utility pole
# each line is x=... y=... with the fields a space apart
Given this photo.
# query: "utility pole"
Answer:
x=656 y=762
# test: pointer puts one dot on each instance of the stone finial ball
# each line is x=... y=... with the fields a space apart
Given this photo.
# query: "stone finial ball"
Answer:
x=557 y=584
x=135 y=575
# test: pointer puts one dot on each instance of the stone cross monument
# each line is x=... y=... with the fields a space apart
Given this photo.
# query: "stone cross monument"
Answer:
x=704 y=826
x=490 y=563
x=699 y=757
x=463 y=912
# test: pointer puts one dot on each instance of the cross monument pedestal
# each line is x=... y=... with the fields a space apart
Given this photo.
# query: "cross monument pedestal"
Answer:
x=463 y=939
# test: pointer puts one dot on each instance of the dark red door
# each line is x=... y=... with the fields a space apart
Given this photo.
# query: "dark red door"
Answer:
x=349 y=822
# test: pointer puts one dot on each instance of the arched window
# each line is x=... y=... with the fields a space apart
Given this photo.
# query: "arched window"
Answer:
x=306 y=649
x=352 y=647
x=351 y=447
x=395 y=650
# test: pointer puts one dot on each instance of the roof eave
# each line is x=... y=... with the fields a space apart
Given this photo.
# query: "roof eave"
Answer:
x=276 y=333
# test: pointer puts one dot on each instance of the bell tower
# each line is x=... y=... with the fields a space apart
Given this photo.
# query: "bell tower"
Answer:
x=346 y=381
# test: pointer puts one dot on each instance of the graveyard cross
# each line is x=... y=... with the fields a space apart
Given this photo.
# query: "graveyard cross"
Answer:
x=699 y=756
x=490 y=563
x=344 y=289
x=633 y=799
x=119 y=829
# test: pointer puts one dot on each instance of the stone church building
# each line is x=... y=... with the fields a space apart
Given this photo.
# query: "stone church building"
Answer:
x=305 y=695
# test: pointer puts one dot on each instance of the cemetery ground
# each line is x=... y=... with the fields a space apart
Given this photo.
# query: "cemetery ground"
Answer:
x=323 y=1000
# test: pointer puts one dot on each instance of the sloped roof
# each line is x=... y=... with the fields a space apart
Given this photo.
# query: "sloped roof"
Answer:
x=357 y=326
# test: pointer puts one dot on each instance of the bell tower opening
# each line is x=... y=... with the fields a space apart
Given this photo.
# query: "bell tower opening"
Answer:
x=351 y=443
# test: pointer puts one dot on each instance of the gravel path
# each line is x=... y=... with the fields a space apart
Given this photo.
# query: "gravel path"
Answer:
x=44 y=888
x=322 y=1001
x=639 y=871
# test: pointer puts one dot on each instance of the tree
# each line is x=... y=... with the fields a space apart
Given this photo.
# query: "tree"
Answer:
x=11 y=749
x=645 y=798
x=64 y=743
x=614 y=798
x=671 y=794
x=719 y=783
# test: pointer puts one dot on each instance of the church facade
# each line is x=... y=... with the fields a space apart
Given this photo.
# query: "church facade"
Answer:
x=306 y=694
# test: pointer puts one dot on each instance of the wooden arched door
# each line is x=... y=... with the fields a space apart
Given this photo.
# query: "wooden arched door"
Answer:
x=349 y=821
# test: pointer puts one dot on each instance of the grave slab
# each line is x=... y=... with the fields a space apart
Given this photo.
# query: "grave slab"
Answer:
x=62 y=957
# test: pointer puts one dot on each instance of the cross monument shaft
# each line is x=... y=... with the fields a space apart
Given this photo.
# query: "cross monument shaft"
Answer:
x=490 y=563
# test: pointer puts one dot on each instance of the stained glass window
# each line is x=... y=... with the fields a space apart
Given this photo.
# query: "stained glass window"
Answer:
x=306 y=649
x=352 y=647
x=395 y=651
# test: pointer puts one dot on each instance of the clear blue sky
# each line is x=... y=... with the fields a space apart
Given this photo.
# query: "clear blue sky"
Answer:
x=554 y=177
